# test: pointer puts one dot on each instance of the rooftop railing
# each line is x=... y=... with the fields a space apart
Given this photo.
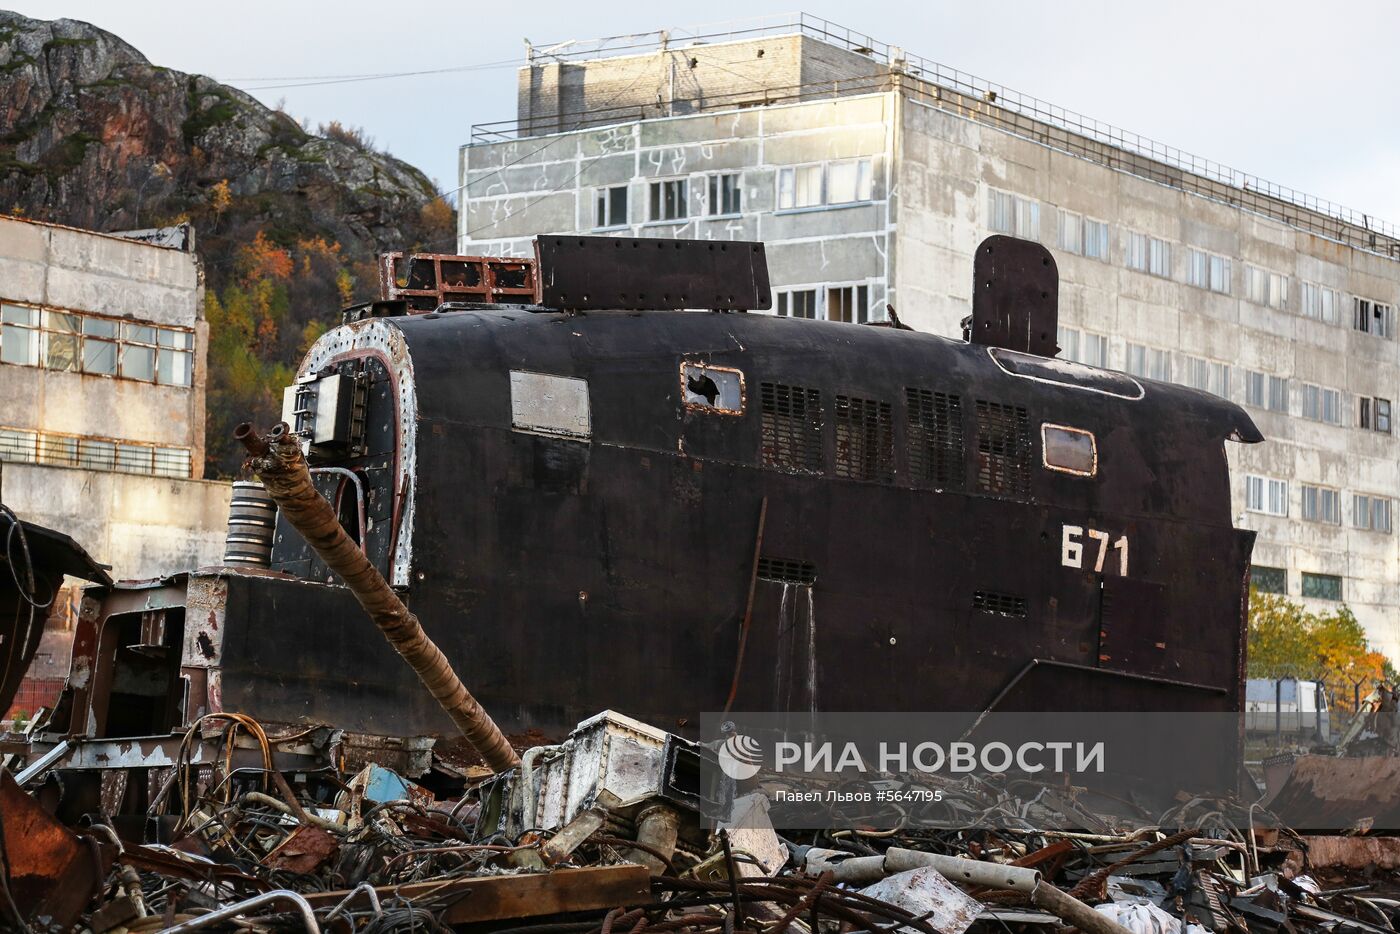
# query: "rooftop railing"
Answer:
x=971 y=97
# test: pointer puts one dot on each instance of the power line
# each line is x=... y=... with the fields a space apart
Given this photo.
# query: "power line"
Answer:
x=309 y=81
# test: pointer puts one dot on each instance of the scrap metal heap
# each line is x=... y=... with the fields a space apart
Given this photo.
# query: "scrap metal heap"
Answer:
x=604 y=833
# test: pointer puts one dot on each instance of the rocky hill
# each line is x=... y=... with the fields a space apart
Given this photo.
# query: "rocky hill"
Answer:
x=288 y=221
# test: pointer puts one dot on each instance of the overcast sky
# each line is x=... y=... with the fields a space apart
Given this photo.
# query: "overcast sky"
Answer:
x=1299 y=93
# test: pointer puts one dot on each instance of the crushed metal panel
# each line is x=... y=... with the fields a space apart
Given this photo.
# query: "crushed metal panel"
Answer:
x=555 y=405
x=52 y=872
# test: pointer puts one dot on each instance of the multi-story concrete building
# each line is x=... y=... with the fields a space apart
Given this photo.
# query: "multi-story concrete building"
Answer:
x=872 y=175
x=102 y=344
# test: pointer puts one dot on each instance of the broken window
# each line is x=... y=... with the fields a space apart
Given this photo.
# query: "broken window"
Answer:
x=1269 y=580
x=58 y=450
x=61 y=341
x=1000 y=604
x=1003 y=449
x=100 y=346
x=724 y=195
x=850 y=303
x=1374 y=414
x=864 y=440
x=610 y=207
x=935 y=438
x=791 y=427
x=797 y=303
x=1373 y=317
x=669 y=200
x=712 y=388
x=1070 y=450
x=1322 y=586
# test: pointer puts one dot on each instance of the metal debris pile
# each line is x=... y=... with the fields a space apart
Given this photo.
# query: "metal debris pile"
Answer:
x=605 y=833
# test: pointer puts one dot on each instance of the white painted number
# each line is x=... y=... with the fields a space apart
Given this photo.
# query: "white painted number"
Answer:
x=1071 y=551
x=1072 y=548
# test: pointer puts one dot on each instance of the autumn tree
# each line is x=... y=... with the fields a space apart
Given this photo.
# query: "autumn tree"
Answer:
x=1288 y=641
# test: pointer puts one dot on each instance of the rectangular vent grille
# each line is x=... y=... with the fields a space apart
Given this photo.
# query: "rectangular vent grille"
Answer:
x=864 y=440
x=1002 y=604
x=1003 y=450
x=792 y=427
x=786 y=571
x=936 y=438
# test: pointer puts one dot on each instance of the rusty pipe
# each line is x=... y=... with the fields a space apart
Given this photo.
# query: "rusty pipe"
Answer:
x=247 y=436
x=285 y=476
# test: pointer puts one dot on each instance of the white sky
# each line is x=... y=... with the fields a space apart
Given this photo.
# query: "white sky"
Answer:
x=1299 y=93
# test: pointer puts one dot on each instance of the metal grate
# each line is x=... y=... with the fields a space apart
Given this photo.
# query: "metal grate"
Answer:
x=864 y=440
x=935 y=438
x=787 y=571
x=1002 y=604
x=792 y=427
x=1003 y=450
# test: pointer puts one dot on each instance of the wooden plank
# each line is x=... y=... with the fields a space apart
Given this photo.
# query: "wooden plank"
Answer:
x=527 y=895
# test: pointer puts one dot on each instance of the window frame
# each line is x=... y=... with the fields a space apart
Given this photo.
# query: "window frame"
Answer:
x=656 y=200
x=1046 y=428
x=715 y=194
x=602 y=202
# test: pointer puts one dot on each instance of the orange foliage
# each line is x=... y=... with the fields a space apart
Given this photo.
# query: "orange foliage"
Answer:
x=263 y=259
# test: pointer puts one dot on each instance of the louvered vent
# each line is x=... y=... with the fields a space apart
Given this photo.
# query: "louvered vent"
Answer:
x=864 y=440
x=1003 y=450
x=792 y=427
x=786 y=571
x=935 y=438
x=1002 y=604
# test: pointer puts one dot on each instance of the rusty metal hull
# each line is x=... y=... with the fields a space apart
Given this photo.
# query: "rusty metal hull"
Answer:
x=564 y=574
x=1327 y=792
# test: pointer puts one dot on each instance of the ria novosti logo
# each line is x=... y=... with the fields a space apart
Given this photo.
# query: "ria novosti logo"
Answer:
x=740 y=757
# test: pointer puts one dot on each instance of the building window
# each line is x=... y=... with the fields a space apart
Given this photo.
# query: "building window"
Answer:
x=1374 y=414
x=1008 y=214
x=1373 y=317
x=1208 y=271
x=1268 y=580
x=800 y=186
x=19 y=335
x=1150 y=362
x=669 y=200
x=849 y=181
x=796 y=303
x=1266 y=392
x=849 y=303
x=610 y=207
x=80 y=343
x=59 y=450
x=1322 y=405
x=1068 y=339
x=723 y=195
x=1320 y=302
x=1148 y=254
x=1096 y=240
x=1266 y=495
x=1371 y=512
x=1071 y=232
x=1322 y=586
x=1204 y=374
x=1266 y=288
x=1322 y=505
x=1095 y=350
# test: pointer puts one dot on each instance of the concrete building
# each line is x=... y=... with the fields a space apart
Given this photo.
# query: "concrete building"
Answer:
x=872 y=174
x=102 y=346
